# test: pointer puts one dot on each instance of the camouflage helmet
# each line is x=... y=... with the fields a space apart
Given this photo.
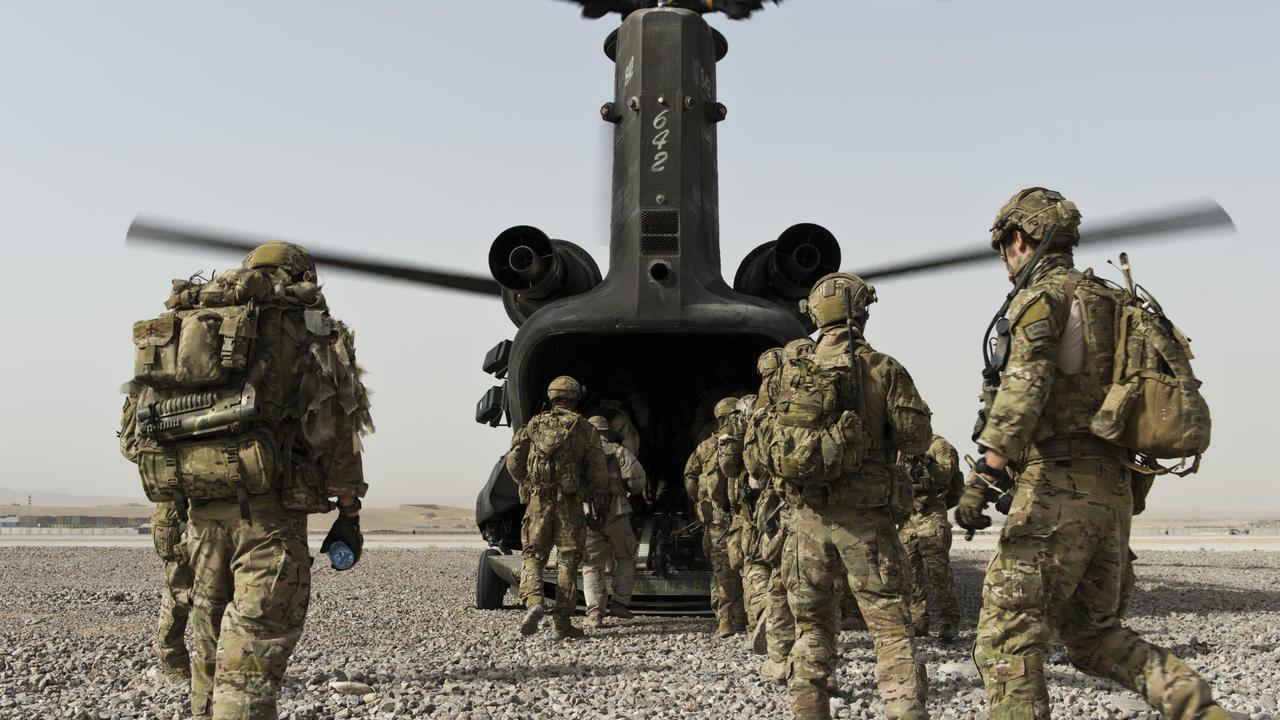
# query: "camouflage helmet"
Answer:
x=725 y=408
x=827 y=299
x=1034 y=211
x=599 y=422
x=801 y=347
x=566 y=388
x=770 y=360
x=293 y=259
x=745 y=404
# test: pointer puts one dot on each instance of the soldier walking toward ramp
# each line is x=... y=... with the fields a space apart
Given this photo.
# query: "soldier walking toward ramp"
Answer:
x=557 y=461
x=245 y=412
x=926 y=537
x=839 y=421
x=708 y=486
x=1059 y=573
x=615 y=541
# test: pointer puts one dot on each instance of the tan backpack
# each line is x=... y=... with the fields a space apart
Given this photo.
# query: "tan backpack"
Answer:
x=212 y=395
x=1153 y=406
x=809 y=438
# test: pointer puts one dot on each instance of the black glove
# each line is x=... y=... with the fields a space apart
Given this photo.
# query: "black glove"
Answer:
x=1004 y=503
x=347 y=529
x=969 y=513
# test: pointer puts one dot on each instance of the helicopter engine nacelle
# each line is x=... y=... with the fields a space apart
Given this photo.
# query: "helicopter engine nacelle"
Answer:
x=784 y=270
x=535 y=270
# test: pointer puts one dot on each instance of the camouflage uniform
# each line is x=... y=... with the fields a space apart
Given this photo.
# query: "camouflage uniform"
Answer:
x=1059 y=572
x=175 y=602
x=252 y=576
x=555 y=486
x=745 y=534
x=926 y=539
x=616 y=541
x=710 y=486
x=847 y=527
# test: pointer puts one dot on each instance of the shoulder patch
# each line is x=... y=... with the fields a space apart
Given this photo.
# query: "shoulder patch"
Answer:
x=1037 y=310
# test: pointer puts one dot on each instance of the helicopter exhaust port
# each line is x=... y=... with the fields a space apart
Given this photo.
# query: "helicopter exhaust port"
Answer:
x=535 y=270
x=783 y=271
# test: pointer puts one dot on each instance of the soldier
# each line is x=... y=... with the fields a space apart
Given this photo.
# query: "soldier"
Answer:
x=708 y=485
x=864 y=407
x=169 y=537
x=246 y=412
x=926 y=538
x=557 y=461
x=1060 y=567
x=616 y=541
x=744 y=533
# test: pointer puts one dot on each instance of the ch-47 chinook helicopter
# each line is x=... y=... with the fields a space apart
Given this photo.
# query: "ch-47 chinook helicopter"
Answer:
x=662 y=335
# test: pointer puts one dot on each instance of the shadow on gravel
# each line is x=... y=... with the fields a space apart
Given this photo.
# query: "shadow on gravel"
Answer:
x=1173 y=596
x=515 y=677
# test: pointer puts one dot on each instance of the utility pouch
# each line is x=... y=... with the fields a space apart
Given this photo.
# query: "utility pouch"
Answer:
x=901 y=499
x=193 y=348
x=223 y=467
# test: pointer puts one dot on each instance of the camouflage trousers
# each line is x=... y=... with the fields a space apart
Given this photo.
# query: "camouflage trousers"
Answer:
x=550 y=521
x=781 y=633
x=753 y=571
x=1061 y=571
x=615 y=544
x=862 y=544
x=175 y=600
x=926 y=539
x=726 y=583
x=252 y=587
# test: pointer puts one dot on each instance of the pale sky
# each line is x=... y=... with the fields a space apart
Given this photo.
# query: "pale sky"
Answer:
x=420 y=130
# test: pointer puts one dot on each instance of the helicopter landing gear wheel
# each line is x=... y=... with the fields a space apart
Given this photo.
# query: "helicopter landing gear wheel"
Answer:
x=490 y=589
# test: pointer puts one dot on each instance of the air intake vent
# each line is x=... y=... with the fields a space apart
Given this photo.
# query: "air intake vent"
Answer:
x=660 y=222
x=659 y=232
x=659 y=245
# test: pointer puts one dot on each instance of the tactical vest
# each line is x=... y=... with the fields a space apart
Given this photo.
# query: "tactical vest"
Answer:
x=217 y=413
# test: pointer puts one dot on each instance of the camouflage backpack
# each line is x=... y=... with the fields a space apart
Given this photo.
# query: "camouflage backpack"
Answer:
x=810 y=439
x=215 y=379
x=1153 y=405
x=547 y=464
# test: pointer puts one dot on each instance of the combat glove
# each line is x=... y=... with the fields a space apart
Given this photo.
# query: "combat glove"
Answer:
x=969 y=512
x=345 y=528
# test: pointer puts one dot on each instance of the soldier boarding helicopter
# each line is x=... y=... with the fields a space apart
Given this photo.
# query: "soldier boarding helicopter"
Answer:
x=662 y=333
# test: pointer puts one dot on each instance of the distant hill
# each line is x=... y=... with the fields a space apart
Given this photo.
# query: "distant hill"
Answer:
x=10 y=497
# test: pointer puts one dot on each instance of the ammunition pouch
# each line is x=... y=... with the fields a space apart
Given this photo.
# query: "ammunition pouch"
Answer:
x=901 y=498
x=225 y=467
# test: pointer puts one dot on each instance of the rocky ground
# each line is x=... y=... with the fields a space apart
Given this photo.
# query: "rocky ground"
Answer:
x=400 y=636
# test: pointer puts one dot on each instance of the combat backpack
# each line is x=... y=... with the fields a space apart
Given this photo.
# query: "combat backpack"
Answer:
x=212 y=389
x=810 y=438
x=1153 y=405
x=547 y=464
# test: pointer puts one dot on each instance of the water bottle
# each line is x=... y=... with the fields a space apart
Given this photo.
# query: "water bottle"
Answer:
x=340 y=556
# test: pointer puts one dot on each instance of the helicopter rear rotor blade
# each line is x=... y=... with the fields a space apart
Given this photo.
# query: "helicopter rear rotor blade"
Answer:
x=1204 y=215
x=143 y=230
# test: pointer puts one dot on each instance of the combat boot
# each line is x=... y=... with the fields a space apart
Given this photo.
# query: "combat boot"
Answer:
x=725 y=627
x=532 y=618
x=565 y=629
x=833 y=687
x=774 y=671
x=620 y=611
x=595 y=618
x=1215 y=712
x=853 y=622
x=947 y=632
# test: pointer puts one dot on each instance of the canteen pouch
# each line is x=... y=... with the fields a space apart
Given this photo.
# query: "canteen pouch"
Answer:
x=208 y=469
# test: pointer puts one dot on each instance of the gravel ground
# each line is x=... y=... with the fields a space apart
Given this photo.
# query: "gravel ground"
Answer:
x=76 y=623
